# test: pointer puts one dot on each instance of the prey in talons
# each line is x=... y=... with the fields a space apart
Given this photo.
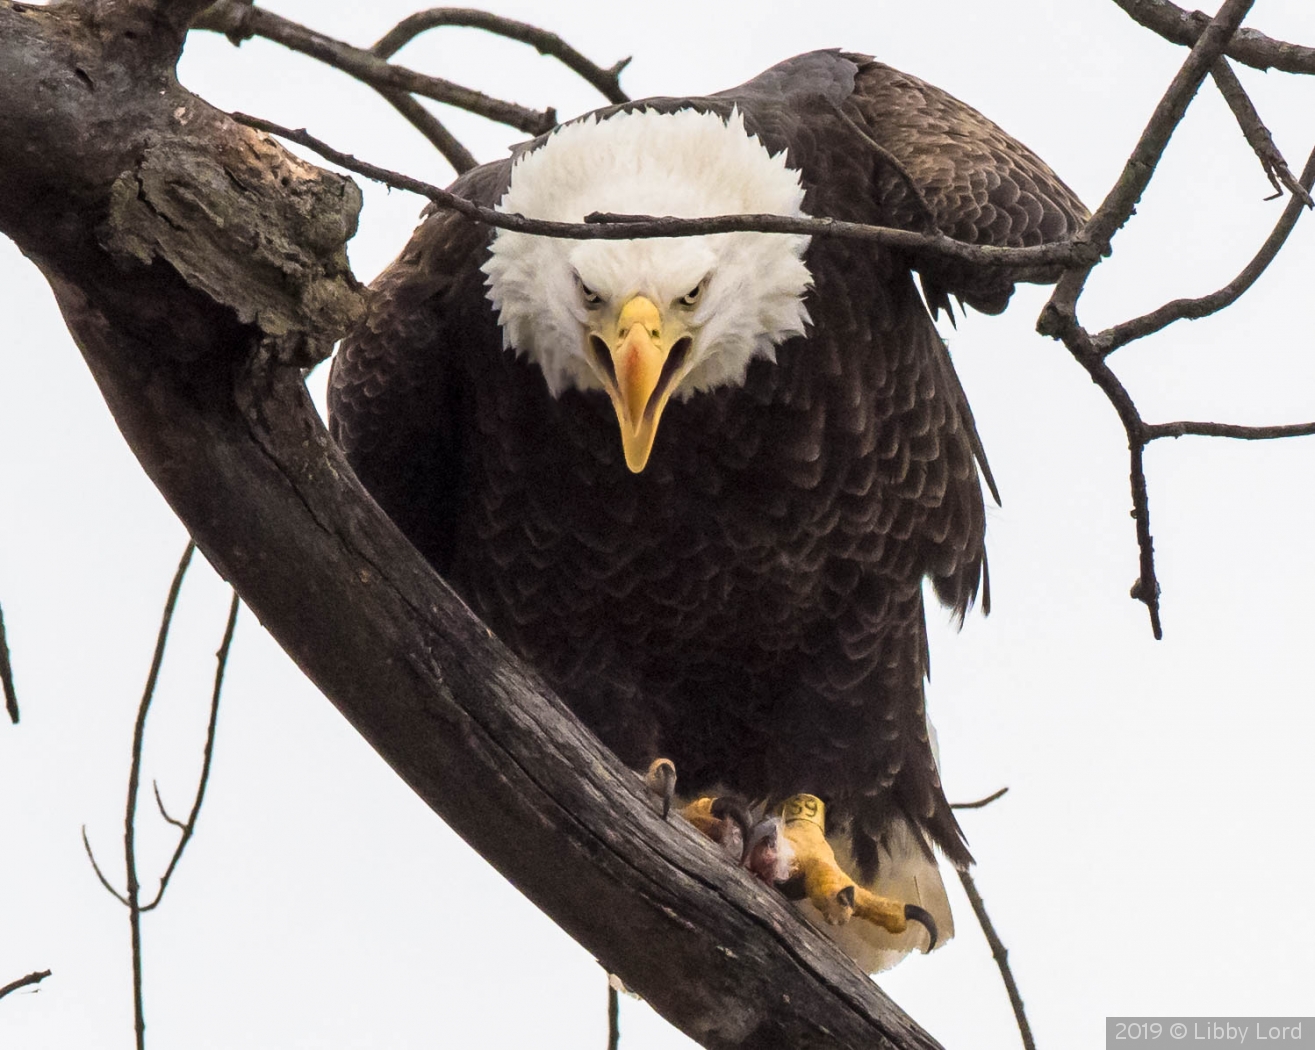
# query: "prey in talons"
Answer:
x=756 y=842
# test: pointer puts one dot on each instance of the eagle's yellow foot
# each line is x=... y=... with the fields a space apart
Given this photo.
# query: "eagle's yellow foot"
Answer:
x=816 y=875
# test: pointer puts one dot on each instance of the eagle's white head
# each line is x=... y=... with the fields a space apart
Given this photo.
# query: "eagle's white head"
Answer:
x=648 y=320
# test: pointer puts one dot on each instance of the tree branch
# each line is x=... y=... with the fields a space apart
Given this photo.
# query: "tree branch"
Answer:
x=1119 y=335
x=233 y=18
x=607 y=81
x=134 y=779
x=1059 y=316
x=7 y=674
x=1228 y=430
x=1257 y=135
x=1001 y=954
x=1248 y=46
x=981 y=803
x=208 y=392
x=188 y=826
x=1122 y=200
x=608 y=226
x=32 y=978
x=461 y=159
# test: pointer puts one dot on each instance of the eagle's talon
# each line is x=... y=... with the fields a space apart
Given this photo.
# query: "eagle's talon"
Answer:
x=729 y=807
x=913 y=913
x=661 y=782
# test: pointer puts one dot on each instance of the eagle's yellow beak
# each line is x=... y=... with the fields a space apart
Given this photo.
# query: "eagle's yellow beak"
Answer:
x=639 y=380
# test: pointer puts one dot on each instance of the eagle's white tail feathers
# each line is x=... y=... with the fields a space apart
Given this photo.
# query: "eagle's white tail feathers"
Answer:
x=906 y=874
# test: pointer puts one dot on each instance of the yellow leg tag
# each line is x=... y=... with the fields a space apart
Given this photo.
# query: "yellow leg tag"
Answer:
x=804 y=807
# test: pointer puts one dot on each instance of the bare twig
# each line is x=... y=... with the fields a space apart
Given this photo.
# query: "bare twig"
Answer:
x=461 y=159
x=607 y=81
x=91 y=856
x=159 y=802
x=1111 y=339
x=1059 y=317
x=189 y=826
x=613 y=1016
x=981 y=803
x=32 y=978
x=1257 y=135
x=229 y=17
x=1228 y=430
x=1248 y=46
x=132 y=899
x=7 y=674
x=134 y=778
x=1001 y=958
x=607 y=226
x=1120 y=202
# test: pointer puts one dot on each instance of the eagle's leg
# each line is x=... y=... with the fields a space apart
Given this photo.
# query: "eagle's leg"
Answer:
x=830 y=890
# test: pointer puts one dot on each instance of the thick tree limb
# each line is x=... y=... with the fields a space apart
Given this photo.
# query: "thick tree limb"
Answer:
x=195 y=311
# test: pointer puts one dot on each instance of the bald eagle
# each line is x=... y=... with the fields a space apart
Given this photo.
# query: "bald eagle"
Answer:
x=699 y=482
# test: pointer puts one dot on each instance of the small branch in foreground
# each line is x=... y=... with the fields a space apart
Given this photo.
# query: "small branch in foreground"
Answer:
x=606 y=226
x=7 y=674
x=1001 y=958
x=607 y=81
x=981 y=803
x=1257 y=135
x=231 y=18
x=33 y=978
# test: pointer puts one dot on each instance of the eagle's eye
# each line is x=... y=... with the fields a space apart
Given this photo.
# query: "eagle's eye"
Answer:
x=588 y=295
x=691 y=298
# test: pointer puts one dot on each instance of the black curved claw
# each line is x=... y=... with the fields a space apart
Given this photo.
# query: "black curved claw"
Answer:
x=922 y=915
x=736 y=810
x=661 y=781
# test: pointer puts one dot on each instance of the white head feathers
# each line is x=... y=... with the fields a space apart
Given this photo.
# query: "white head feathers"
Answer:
x=687 y=164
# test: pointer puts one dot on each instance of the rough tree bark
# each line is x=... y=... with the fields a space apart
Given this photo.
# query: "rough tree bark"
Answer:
x=200 y=267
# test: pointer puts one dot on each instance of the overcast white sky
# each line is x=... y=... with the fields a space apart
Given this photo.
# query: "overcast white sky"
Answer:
x=1153 y=854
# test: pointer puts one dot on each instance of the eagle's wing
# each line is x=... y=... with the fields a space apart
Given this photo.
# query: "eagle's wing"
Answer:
x=970 y=180
x=395 y=406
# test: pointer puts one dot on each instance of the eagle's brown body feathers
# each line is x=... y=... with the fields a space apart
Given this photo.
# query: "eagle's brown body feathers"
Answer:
x=750 y=605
